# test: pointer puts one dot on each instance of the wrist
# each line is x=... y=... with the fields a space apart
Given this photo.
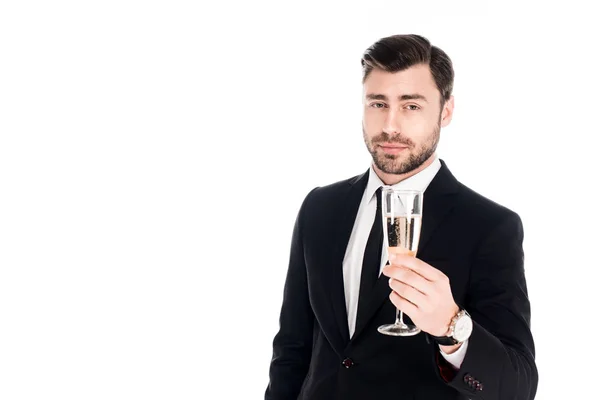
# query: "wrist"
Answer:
x=445 y=329
x=450 y=349
x=460 y=330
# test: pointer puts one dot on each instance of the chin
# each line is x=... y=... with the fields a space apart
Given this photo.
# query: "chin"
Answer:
x=391 y=161
x=391 y=168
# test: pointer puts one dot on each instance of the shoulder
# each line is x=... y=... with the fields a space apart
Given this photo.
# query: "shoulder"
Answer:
x=483 y=210
x=471 y=207
x=324 y=203
x=333 y=192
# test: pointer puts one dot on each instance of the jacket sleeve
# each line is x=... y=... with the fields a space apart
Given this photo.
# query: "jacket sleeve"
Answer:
x=292 y=345
x=500 y=360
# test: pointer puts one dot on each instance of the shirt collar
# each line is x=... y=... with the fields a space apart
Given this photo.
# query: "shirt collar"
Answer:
x=419 y=181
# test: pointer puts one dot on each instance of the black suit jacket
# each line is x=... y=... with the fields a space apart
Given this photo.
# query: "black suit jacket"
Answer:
x=474 y=241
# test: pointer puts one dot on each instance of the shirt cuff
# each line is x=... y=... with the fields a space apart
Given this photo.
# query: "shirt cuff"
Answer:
x=455 y=359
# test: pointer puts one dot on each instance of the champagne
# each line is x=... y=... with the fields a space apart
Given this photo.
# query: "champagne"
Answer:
x=403 y=234
x=402 y=210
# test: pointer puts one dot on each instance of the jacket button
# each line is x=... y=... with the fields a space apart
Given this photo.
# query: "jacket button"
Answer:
x=348 y=363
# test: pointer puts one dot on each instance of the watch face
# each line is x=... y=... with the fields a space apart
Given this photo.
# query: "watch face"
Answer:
x=463 y=328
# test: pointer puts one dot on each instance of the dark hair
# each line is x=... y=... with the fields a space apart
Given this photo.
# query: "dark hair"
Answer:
x=399 y=52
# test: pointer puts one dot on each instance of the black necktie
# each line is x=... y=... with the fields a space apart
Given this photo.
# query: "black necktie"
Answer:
x=372 y=257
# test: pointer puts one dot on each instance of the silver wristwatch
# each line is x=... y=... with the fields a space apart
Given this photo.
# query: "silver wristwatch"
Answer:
x=460 y=330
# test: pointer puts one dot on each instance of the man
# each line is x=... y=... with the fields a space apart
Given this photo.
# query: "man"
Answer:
x=466 y=289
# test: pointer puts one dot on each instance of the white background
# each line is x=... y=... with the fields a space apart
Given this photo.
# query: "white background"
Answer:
x=153 y=156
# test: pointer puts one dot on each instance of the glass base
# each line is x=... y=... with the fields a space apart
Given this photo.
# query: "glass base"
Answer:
x=399 y=330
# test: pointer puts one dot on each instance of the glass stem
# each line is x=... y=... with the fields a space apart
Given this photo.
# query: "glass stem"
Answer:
x=399 y=318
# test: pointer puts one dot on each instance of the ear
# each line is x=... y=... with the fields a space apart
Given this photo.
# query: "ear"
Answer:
x=447 y=112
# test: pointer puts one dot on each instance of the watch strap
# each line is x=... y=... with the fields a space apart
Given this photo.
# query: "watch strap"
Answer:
x=444 y=340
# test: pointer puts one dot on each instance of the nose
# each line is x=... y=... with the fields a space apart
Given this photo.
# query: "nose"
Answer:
x=392 y=122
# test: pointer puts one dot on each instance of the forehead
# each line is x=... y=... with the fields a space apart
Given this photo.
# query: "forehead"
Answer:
x=416 y=79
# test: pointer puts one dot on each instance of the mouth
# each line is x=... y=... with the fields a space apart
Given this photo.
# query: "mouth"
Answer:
x=392 y=148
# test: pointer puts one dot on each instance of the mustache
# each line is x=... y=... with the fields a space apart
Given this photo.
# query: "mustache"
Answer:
x=385 y=138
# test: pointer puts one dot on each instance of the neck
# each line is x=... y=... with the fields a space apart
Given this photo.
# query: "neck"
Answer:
x=392 y=179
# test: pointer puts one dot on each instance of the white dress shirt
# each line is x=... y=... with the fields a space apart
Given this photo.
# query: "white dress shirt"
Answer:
x=353 y=257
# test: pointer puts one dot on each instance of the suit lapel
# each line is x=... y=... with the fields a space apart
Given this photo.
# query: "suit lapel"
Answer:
x=438 y=201
x=345 y=222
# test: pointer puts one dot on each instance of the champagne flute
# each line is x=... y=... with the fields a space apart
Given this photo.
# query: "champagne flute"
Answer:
x=401 y=213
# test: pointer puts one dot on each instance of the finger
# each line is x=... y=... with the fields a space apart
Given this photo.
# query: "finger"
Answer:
x=403 y=305
x=409 y=277
x=420 y=267
x=409 y=293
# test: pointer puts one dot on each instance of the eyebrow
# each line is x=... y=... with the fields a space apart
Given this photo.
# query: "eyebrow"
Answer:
x=413 y=96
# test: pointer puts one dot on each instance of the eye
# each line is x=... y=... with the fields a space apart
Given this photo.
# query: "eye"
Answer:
x=377 y=105
x=413 y=107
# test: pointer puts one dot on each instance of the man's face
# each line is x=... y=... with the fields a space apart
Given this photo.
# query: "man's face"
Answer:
x=402 y=118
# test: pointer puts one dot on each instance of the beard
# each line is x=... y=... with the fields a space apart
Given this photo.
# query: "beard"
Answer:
x=401 y=164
